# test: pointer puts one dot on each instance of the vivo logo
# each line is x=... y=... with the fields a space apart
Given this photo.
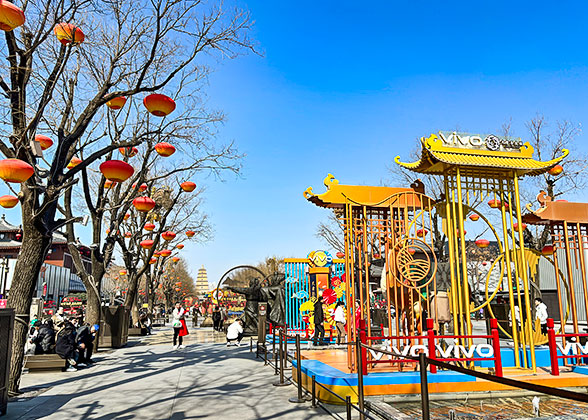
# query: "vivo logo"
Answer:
x=451 y=351
x=573 y=349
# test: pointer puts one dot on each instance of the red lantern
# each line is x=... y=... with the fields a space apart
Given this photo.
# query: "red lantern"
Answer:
x=556 y=170
x=422 y=232
x=165 y=252
x=176 y=259
x=484 y=263
x=482 y=243
x=168 y=236
x=329 y=296
x=159 y=105
x=144 y=204
x=123 y=272
x=128 y=151
x=190 y=233
x=474 y=217
x=109 y=184
x=340 y=254
x=156 y=255
x=180 y=246
x=465 y=232
x=116 y=103
x=10 y=16
x=44 y=141
x=8 y=201
x=116 y=170
x=127 y=215
x=15 y=170
x=146 y=244
x=411 y=251
x=149 y=226
x=548 y=250
x=165 y=149
x=128 y=234
x=305 y=318
x=66 y=33
x=494 y=203
x=142 y=187
x=516 y=226
x=75 y=161
x=188 y=186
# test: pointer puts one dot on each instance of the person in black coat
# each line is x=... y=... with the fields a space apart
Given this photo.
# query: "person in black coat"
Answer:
x=45 y=338
x=65 y=345
x=319 y=319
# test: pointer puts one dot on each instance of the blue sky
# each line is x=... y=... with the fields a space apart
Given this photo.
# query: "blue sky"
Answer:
x=343 y=87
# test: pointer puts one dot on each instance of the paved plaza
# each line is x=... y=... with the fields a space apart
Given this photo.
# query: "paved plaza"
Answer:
x=149 y=380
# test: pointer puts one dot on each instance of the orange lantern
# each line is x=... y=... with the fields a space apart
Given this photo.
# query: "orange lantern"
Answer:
x=146 y=244
x=159 y=105
x=482 y=243
x=465 y=232
x=152 y=260
x=116 y=170
x=494 y=203
x=8 y=201
x=66 y=33
x=422 y=232
x=10 y=16
x=190 y=233
x=128 y=234
x=411 y=251
x=188 y=186
x=15 y=170
x=340 y=254
x=116 y=103
x=149 y=226
x=142 y=187
x=127 y=215
x=556 y=170
x=176 y=259
x=180 y=246
x=123 y=272
x=128 y=151
x=516 y=226
x=109 y=184
x=107 y=231
x=168 y=236
x=548 y=250
x=165 y=252
x=75 y=161
x=44 y=141
x=156 y=254
x=165 y=149
x=474 y=217
x=144 y=204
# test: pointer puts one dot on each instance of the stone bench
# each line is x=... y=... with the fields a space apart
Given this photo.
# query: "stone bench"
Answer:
x=43 y=362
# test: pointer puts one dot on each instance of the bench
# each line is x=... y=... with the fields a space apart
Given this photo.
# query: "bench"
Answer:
x=158 y=322
x=44 y=362
x=136 y=331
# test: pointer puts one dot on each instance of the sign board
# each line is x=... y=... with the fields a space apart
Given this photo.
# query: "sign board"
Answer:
x=490 y=142
x=3 y=303
x=262 y=309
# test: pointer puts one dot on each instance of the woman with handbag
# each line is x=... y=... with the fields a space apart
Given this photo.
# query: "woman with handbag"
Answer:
x=179 y=325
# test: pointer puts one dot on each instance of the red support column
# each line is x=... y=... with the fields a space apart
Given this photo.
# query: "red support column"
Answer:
x=496 y=347
x=552 y=347
x=431 y=342
x=363 y=339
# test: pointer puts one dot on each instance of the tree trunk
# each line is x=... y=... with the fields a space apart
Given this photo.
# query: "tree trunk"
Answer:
x=32 y=254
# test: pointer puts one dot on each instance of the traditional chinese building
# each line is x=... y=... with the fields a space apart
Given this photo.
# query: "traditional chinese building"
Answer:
x=202 y=286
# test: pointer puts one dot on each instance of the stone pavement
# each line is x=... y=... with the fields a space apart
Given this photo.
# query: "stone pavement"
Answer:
x=149 y=380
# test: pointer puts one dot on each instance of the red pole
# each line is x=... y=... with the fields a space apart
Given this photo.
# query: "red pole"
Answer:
x=431 y=342
x=270 y=328
x=496 y=346
x=363 y=339
x=552 y=347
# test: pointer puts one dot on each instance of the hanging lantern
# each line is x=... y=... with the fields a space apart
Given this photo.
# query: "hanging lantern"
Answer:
x=116 y=103
x=188 y=186
x=494 y=203
x=108 y=231
x=146 y=244
x=44 y=141
x=8 y=201
x=516 y=226
x=340 y=254
x=474 y=217
x=128 y=234
x=109 y=184
x=15 y=170
x=411 y=251
x=464 y=232
x=10 y=16
x=127 y=215
x=144 y=204
x=176 y=259
x=548 y=250
x=421 y=232
x=484 y=263
x=159 y=105
x=556 y=170
x=75 y=161
x=67 y=33
x=128 y=151
x=168 y=236
x=116 y=170
x=165 y=252
x=156 y=254
x=165 y=149
x=180 y=246
x=149 y=226
x=123 y=272
x=190 y=233
x=142 y=187
x=482 y=243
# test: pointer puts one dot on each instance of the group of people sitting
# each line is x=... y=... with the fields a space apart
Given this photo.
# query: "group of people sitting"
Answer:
x=72 y=340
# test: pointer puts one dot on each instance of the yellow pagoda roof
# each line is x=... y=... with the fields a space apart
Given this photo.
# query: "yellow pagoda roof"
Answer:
x=338 y=195
x=436 y=158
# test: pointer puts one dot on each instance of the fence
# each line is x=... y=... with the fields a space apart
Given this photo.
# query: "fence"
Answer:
x=571 y=346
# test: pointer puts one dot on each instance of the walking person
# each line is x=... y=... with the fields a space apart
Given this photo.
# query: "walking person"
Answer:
x=319 y=319
x=216 y=318
x=179 y=325
x=340 y=322
x=541 y=314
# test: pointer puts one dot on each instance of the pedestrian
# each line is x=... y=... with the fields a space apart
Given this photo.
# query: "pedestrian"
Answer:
x=179 y=325
x=340 y=322
x=319 y=319
x=216 y=318
x=65 y=346
x=45 y=339
x=541 y=314
x=235 y=332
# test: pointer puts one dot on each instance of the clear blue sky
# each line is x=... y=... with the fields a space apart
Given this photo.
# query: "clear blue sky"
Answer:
x=344 y=87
